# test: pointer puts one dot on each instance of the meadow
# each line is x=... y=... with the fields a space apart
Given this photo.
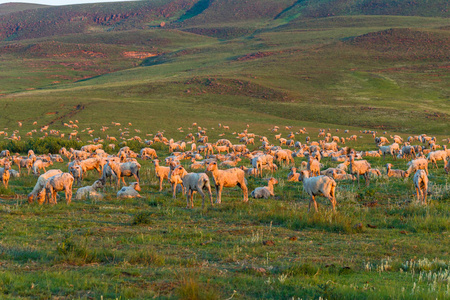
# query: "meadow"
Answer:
x=347 y=65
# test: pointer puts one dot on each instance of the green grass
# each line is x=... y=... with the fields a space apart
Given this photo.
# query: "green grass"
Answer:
x=153 y=246
x=255 y=67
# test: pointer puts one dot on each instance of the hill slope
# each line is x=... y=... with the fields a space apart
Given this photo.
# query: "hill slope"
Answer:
x=226 y=59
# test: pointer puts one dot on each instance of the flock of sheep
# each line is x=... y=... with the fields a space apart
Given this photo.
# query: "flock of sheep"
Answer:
x=218 y=160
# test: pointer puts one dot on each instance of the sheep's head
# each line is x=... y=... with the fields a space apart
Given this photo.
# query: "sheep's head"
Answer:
x=136 y=186
x=212 y=166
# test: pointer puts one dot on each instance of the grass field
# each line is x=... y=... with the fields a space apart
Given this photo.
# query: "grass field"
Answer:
x=356 y=65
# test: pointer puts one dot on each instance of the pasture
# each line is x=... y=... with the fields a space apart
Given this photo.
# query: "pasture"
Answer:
x=380 y=243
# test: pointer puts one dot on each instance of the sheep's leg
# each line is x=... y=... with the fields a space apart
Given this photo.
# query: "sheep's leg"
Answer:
x=160 y=183
x=244 y=191
x=174 y=190
x=39 y=171
x=208 y=187
x=200 y=191
x=425 y=194
x=417 y=193
x=219 y=193
x=188 y=195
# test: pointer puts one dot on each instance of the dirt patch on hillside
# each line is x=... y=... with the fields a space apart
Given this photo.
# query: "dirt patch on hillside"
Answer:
x=137 y=54
x=256 y=55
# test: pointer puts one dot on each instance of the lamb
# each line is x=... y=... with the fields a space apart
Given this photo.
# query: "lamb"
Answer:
x=293 y=175
x=90 y=191
x=127 y=169
x=360 y=167
x=266 y=191
x=227 y=178
x=313 y=166
x=161 y=173
x=41 y=164
x=59 y=182
x=394 y=172
x=320 y=185
x=434 y=156
x=38 y=192
x=5 y=175
x=194 y=182
x=417 y=164
x=130 y=191
x=421 y=184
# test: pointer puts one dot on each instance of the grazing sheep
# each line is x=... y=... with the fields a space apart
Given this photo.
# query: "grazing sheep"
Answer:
x=130 y=191
x=90 y=191
x=57 y=183
x=194 y=182
x=421 y=184
x=360 y=167
x=260 y=161
x=390 y=149
x=319 y=185
x=374 y=172
x=174 y=179
x=5 y=153
x=284 y=156
x=41 y=164
x=38 y=192
x=434 y=156
x=397 y=173
x=77 y=173
x=127 y=169
x=265 y=191
x=417 y=164
x=447 y=167
x=5 y=174
x=227 y=178
x=146 y=153
x=161 y=173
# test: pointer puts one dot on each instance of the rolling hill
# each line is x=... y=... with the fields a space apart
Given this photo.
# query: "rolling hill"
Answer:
x=372 y=64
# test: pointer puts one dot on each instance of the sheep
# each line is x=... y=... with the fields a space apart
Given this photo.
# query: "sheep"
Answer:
x=284 y=156
x=56 y=183
x=194 y=182
x=319 y=185
x=260 y=160
x=24 y=163
x=313 y=166
x=5 y=174
x=107 y=172
x=374 y=172
x=145 y=153
x=41 y=164
x=38 y=192
x=266 y=191
x=390 y=149
x=90 y=191
x=408 y=151
x=77 y=172
x=421 y=184
x=249 y=171
x=127 y=169
x=174 y=179
x=230 y=163
x=339 y=176
x=358 y=168
x=293 y=175
x=417 y=164
x=434 y=156
x=227 y=178
x=130 y=191
x=394 y=172
x=447 y=167
x=161 y=173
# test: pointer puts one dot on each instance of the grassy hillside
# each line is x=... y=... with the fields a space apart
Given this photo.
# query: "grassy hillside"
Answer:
x=8 y=8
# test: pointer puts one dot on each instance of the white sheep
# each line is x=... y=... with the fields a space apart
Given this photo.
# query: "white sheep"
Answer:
x=293 y=175
x=41 y=164
x=265 y=191
x=421 y=184
x=127 y=169
x=38 y=192
x=57 y=183
x=161 y=173
x=90 y=191
x=194 y=182
x=319 y=185
x=5 y=174
x=417 y=164
x=227 y=178
x=360 y=167
x=434 y=156
x=130 y=191
x=313 y=166
x=397 y=173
